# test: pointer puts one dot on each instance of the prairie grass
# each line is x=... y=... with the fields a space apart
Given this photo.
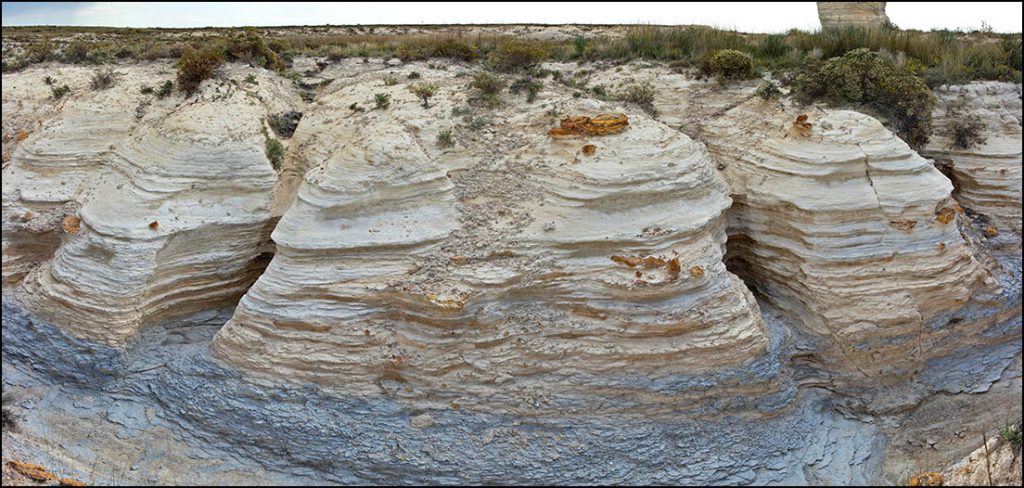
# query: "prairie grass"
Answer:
x=938 y=56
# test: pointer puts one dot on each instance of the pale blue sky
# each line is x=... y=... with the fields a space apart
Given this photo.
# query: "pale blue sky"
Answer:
x=744 y=16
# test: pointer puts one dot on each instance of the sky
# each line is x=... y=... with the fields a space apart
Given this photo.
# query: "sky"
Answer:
x=743 y=16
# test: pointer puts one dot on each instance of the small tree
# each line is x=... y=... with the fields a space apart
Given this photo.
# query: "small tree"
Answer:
x=424 y=91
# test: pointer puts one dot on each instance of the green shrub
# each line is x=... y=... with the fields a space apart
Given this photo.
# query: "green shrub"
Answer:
x=250 y=47
x=487 y=87
x=284 y=123
x=251 y=79
x=415 y=75
x=455 y=49
x=194 y=66
x=103 y=79
x=1012 y=434
x=768 y=90
x=476 y=123
x=390 y=80
x=516 y=55
x=382 y=100
x=424 y=91
x=641 y=95
x=39 y=52
x=863 y=77
x=58 y=92
x=444 y=138
x=528 y=85
x=274 y=150
x=727 y=64
x=77 y=51
x=965 y=131
x=165 y=89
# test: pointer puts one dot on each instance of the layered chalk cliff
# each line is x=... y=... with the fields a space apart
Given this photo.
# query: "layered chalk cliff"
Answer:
x=475 y=274
x=124 y=209
x=838 y=221
x=985 y=164
x=734 y=290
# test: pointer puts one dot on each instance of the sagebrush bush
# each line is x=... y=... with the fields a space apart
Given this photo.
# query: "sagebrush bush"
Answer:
x=529 y=85
x=487 y=88
x=965 y=131
x=516 y=55
x=77 y=51
x=863 y=77
x=444 y=138
x=251 y=48
x=58 y=92
x=642 y=95
x=727 y=64
x=768 y=90
x=103 y=79
x=382 y=100
x=195 y=66
x=424 y=91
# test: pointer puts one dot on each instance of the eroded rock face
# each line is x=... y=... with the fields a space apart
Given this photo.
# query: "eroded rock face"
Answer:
x=512 y=308
x=130 y=209
x=841 y=223
x=474 y=275
x=856 y=14
x=987 y=172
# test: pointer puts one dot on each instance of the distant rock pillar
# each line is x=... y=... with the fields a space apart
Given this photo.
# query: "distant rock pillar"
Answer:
x=861 y=14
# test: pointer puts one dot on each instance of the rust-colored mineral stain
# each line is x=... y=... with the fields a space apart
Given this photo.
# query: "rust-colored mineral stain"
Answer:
x=589 y=150
x=22 y=135
x=27 y=216
x=674 y=267
x=929 y=478
x=599 y=125
x=154 y=225
x=991 y=230
x=39 y=473
x=72 y=224
x=801 y=126
x=903 y=224
x=459 y=260
x=697 y=272
x=627 y=260
x=946 y=215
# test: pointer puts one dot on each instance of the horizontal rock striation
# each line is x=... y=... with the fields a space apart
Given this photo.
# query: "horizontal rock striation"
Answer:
x=985 y=165
x=511 y=271
x=835 y=15
x=840 y=223
x=125 y=209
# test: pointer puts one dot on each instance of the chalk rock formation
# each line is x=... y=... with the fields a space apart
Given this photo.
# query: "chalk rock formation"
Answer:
x=124 y=209
x=512 y=271
x=857 y=14
x=839 y=222
x=986 y=174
